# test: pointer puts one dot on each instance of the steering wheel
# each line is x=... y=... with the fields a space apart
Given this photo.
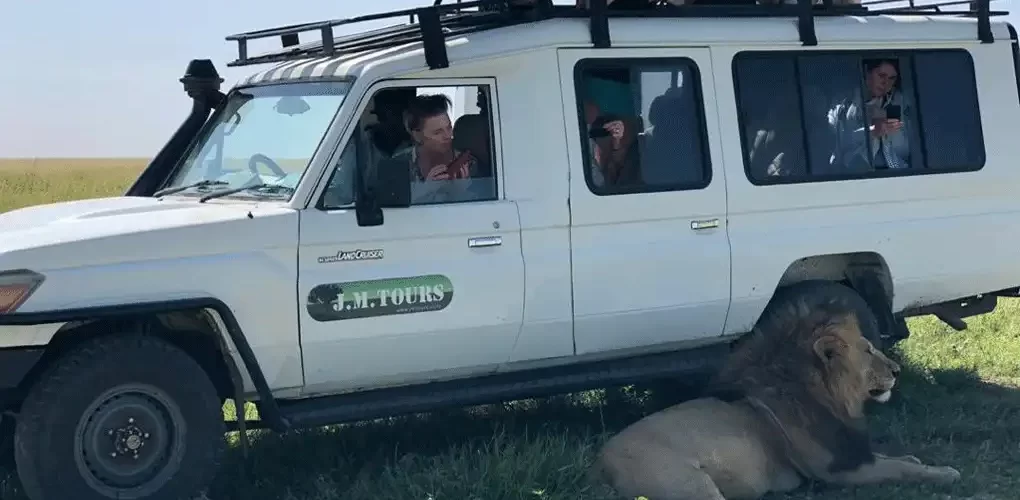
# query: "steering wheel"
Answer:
x=259 y=157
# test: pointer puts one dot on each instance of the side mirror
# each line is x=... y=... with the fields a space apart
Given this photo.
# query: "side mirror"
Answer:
x=367 y=209
x=389 y=186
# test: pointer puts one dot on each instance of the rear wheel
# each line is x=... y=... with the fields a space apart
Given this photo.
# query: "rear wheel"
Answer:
x=121 y=417
x=6 y=443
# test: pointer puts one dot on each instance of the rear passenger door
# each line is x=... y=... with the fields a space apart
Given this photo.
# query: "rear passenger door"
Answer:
x=650 y=254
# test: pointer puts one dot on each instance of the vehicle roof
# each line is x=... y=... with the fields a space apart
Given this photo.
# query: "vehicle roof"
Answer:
x=635 y=32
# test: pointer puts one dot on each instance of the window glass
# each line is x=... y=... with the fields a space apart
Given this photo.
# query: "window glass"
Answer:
x=441 y=136
x=947 y=97
x=263 y=140
x=844 y=115
x=829 y=83
x=773 y=137
x=644 y=126
x=340 y=190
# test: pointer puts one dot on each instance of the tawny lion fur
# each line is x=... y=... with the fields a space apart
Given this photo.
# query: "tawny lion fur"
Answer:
x=788 y=406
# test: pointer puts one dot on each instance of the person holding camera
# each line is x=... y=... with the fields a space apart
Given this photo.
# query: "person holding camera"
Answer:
x=889 y=142
x=886 y=144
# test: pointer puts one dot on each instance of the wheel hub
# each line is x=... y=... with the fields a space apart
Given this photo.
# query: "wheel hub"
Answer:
x=126 y=440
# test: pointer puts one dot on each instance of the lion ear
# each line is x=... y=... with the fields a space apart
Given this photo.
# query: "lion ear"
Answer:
x=827 y=347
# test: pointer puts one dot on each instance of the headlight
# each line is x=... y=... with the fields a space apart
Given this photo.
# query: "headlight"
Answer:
x=16 y=287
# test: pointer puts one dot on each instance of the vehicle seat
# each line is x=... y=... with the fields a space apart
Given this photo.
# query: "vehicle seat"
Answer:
x=673 y=150
x=471 y=133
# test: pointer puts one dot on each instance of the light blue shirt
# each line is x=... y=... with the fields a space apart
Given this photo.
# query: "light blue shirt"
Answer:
x=857 y=149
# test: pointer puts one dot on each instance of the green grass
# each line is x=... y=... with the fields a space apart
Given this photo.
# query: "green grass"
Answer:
x=956 y=406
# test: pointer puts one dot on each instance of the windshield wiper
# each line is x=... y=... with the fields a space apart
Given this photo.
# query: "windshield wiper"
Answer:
x=207 y=182
x=277 y=188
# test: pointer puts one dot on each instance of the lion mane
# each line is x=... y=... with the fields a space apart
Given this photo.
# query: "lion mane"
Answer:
x=777 y=368
x=787 y=405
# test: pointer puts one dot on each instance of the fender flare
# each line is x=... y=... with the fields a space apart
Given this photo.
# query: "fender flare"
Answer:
x=269 y=410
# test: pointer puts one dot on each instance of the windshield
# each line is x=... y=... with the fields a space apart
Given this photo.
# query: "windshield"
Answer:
x=263 y=138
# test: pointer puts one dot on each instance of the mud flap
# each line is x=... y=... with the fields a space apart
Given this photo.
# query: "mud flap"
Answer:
x=240 y=407
x=237 y=384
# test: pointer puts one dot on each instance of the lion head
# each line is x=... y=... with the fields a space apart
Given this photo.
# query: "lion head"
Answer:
x=850 y=366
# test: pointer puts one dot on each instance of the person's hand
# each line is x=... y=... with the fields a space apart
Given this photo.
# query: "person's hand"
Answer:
x=438 y=173
x=885 y=127
x=615 y=128
x=462 y=172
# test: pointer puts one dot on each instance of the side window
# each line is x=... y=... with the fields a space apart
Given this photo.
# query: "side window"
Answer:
x=947 y=96
x=772 y=124
x=340 y=188
x=441 y=136
x=843 y=115
x=644 y=126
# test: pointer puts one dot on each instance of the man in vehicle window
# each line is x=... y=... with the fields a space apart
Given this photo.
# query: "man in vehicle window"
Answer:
x=388 y=136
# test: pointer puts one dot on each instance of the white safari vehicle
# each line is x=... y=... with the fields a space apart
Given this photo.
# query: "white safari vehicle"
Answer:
x=500 y=200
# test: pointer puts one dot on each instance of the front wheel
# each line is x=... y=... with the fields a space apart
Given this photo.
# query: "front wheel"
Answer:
x=121 y=417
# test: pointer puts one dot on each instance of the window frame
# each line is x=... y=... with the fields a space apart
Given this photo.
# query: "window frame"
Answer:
x=213 y=119
x=638 y=64
x=365 y=99
x=1014 y=45
x=861 y=54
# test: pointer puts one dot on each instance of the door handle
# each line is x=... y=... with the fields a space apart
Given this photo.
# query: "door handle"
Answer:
x=698 y=225
x=485 y=241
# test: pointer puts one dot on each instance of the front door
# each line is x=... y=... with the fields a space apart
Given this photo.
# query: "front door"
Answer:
x=436 y=291
x=651 y=258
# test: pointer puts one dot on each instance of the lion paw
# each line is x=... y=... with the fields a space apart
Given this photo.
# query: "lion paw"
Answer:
x=904 y=458
x=944 y=474
x=910 y=458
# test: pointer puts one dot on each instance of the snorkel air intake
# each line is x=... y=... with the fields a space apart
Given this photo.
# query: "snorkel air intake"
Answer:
x=202 y=84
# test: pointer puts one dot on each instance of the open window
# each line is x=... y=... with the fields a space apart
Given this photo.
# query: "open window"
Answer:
x=644 y=125
x=423 y=145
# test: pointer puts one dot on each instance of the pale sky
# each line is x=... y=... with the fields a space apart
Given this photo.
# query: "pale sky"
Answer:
x=100 y=78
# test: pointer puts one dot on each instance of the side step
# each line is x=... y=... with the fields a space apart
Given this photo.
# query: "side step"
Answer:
x=388 y=402
x=953 y=312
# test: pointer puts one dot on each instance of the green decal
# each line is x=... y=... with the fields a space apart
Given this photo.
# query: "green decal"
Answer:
x=363 y=299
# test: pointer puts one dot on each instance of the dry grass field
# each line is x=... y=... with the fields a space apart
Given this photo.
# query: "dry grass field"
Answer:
x=958 y=405
x=33 y=181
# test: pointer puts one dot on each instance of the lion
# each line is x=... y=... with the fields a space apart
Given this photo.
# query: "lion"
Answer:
x=787 y=407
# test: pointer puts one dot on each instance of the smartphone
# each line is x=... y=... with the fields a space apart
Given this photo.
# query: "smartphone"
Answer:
x=454 y=167
x=892 y=112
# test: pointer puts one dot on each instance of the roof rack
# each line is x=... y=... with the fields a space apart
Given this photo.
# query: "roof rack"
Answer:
x=432 y=24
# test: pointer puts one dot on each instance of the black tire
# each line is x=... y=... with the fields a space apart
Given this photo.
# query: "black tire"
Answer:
x=818 y=290
x=6 y=444
x=120 y=391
